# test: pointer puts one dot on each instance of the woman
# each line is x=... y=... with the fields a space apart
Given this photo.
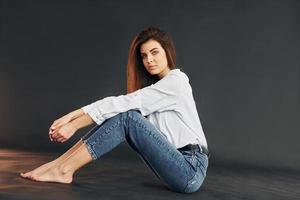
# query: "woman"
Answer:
x=157 y=117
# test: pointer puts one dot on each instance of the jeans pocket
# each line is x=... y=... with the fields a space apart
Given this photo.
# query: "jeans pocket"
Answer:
x=202 y=162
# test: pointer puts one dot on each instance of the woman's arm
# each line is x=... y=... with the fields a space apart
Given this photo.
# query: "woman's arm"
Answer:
x=161 y=96
x=82 y=121
x=76 y=113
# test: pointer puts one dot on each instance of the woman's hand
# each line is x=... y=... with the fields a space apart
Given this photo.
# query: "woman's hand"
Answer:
x=63 y=133
x=64 y=120
x=60 y=122
x=63 y=128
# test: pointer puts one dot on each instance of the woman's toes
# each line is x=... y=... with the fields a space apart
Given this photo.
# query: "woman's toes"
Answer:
x=32 y=178
x=25 y=175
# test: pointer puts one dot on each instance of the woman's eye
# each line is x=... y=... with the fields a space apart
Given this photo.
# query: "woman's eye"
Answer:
x=153 y=53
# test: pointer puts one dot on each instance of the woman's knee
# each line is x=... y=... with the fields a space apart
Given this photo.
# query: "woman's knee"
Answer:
x=135 y=115
x=126 y=114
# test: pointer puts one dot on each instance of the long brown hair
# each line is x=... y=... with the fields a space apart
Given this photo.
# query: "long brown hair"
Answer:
x=137 y=76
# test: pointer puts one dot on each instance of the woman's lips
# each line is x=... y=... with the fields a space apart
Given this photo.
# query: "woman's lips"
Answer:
x=152 y=67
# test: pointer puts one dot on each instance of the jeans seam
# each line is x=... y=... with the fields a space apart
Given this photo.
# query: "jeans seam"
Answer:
x=149 y=131
x=188 y=182
x=193 y=158
x=106 y=132
x=160 y=145
x=90 y=150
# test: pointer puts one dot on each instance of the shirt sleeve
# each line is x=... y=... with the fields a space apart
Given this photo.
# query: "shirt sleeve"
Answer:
x=161 y=96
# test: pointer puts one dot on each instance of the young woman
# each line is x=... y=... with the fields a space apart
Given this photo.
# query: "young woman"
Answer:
x=157 y=117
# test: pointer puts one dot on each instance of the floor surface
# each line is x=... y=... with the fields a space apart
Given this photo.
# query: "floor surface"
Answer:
x=115 y=177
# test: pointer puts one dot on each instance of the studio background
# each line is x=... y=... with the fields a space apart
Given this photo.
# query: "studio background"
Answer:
x=242 y=58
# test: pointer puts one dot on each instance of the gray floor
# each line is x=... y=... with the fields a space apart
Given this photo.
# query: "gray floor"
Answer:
x=117 y=177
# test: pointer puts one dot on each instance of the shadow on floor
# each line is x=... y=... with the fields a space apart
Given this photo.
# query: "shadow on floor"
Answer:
x=113 y=177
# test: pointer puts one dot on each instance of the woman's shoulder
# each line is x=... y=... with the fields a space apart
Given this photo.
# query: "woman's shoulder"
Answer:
x=179 y=73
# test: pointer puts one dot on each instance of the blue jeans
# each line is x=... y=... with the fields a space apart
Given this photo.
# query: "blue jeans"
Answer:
x=181 y=171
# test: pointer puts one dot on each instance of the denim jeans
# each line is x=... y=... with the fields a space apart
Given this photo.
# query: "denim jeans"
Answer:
x=181 y=171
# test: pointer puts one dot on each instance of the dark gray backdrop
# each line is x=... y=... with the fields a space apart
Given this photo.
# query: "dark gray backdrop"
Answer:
x=242 y=58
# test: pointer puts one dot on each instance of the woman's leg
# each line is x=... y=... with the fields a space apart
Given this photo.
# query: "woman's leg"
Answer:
x=39 y=171
x=62 y=169
x=169 y=164
x=181 y=171
x=46 y=166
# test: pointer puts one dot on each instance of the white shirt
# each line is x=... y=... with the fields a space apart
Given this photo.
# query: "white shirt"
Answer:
x=168 y=104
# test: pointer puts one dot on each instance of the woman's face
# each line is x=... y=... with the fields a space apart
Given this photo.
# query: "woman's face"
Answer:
x=154 y=58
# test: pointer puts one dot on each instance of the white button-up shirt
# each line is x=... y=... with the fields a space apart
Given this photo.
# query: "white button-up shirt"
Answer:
x=168 y=104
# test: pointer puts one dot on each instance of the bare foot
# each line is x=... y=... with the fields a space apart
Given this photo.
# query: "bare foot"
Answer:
x=52 y=174
x=41 y=169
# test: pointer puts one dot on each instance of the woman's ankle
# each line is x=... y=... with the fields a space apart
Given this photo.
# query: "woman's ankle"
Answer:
x=65 y=169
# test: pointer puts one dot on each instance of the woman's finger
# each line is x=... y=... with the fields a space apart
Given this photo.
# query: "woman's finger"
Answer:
x=64 y=140
x=51 y=131
x=51 y=137
x=61 y=121
x=60 y=139
x=56 y=138
x=55 y=132
x=55 y=129
x=55 y=135
x=56 y=124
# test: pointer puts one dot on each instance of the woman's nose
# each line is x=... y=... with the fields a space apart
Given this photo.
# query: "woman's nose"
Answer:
x=149 y=59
